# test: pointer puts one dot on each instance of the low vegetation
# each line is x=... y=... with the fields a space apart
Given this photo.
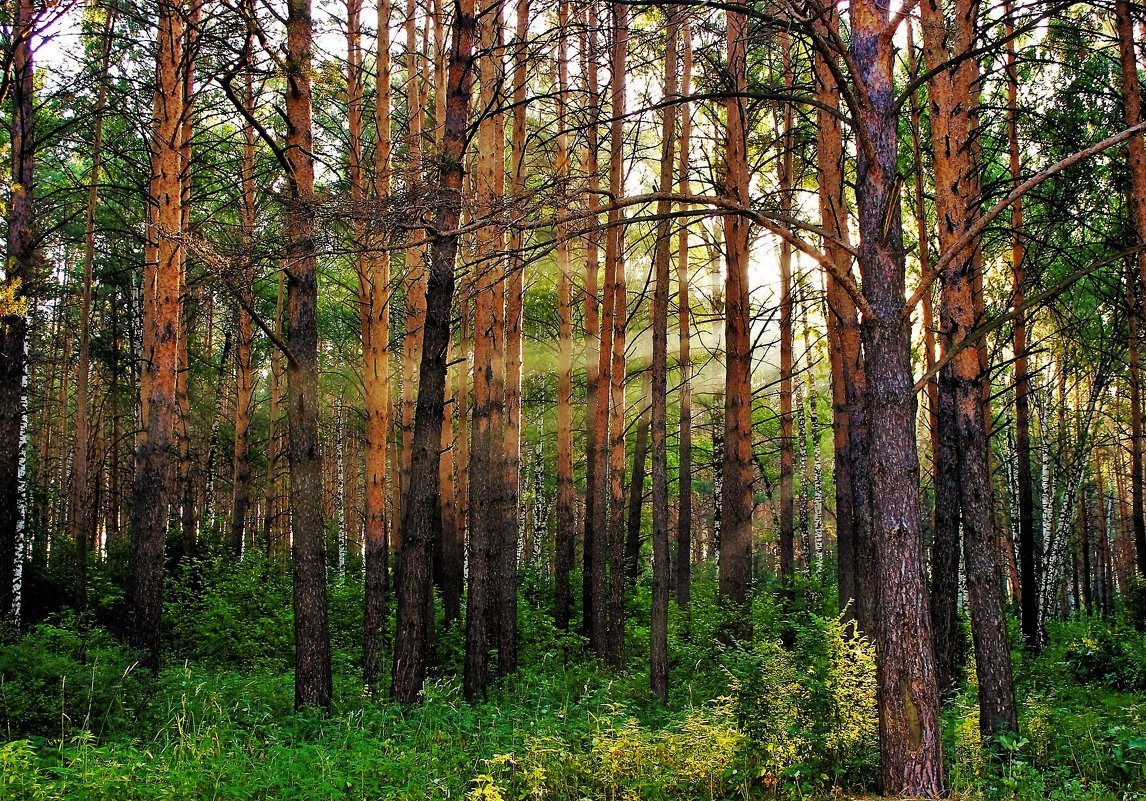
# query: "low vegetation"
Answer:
x=789 y=714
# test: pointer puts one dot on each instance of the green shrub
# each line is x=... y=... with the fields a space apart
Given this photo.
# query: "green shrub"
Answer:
x=56 y=679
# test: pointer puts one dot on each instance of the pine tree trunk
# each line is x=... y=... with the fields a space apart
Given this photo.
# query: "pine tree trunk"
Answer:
x=374 y=311
x=1136 y=158
x=787 y=441
x=615 y=255
x=422 y=503
x=564 y=545
x=244 y=377
x=486 y=463
x=684 y=534
x=737 y=503
x=911 y=755
x=598 y=344
x=842 y=323
x=308 y=549
x=961 y=386
x=84 y=511
x=658 y=628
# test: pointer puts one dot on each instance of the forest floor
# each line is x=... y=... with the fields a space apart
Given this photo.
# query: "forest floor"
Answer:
x=790 y=714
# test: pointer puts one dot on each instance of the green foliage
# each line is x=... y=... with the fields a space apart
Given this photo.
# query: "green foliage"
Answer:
x=58 y=680
x=787 y=713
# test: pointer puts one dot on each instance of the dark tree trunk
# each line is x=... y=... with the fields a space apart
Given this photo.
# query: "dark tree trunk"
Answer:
x=636 y=505
x=911 y=754
x=308 y=550
x=421 y=506
x=658 y=634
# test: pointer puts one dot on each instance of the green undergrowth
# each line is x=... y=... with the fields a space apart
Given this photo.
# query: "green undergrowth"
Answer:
x=789 y=713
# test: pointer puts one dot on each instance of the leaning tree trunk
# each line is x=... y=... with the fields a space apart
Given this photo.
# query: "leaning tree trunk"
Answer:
x=421 y=504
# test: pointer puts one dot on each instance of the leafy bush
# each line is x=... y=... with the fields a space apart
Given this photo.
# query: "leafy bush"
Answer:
x=58 y=679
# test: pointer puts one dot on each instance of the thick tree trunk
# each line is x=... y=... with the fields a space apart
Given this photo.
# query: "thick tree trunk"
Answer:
x=735 y=563
x=961 y=387
x=911 y=754
x=787 y=330
x=422 y=503
x=154 y=468
x=308 y=548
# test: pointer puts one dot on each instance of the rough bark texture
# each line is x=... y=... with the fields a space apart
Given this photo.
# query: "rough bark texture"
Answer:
x=683 y=571
x=1136 y=158
x=563 y=547
x=911 y=755
x=374 y=314
x=615 y=255
x=658 y=636
x=735 y=562
x=486 y=479
x=421 y=504
x=961 y=386
x=785 y=141
x=308 y=548
x=154 y=468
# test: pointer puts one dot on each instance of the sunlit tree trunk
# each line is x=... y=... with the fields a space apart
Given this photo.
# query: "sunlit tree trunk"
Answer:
x=154 y=470
x=735 y=561
x=953 y=96
x=374 y=321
